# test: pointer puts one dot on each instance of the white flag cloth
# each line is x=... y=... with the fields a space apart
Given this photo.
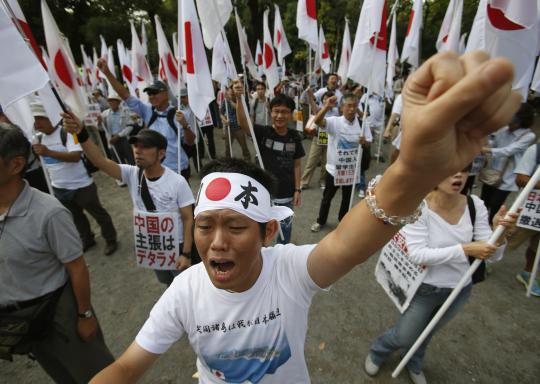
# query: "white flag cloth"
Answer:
x=65 y=73
x=144 y=39
x=270 y=65
x=175 y=45
x=494 y=32
x=167 y=60
x=306 y=22
x=96 y=75
x=535 y=85
x=259 y=58
x=138 y=59
x=125 y=67
x=392 y=58
x=213 y=14
x=280 y=39
x=345 y=57
x=411 y=46
x=20 y=114
x=324 y=52
x=223 y=69
x=199 y=83
x=88 y=68
x=450 y=33
x=245 y=51
x=23 y=73
x=368 y=59
x=21 y=20
x=462 y=44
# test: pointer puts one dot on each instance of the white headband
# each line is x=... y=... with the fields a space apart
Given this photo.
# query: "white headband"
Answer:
x=240 y=193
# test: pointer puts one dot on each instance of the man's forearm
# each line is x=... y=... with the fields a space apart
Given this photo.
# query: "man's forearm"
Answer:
x=241 y=117
x=80 y=281
x=319 y=117
x=117 y=86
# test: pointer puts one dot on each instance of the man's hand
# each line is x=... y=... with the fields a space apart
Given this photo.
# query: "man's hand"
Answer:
x=450 y=104
x=102 y=65
x=114 y=139
x=362 y=141
x=181 y=118
x=72 y=124
x=87 y=328
x=331 y=102
x=40 y=149
x=183 y=263
x=297 y=199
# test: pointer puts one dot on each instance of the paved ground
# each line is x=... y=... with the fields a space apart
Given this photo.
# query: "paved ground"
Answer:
x=495 y=339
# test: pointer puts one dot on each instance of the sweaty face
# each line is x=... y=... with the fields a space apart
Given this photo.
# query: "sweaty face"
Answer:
x=229 y=244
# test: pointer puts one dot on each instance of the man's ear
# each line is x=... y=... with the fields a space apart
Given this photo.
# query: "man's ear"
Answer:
x=17 y=165
x=272 y=228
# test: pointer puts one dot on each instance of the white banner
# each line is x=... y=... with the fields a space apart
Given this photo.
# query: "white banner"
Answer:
x=94 y=112
x=156 y=239
x=530 y=214
x=399 y=277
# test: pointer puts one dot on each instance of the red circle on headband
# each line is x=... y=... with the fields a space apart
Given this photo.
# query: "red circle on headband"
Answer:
x=218 y=189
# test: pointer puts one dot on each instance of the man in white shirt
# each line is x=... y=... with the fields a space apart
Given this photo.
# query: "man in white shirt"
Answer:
x=71 y=181
x=116 y=122
x=245 y=308
x=344 y=134
x=166 y=190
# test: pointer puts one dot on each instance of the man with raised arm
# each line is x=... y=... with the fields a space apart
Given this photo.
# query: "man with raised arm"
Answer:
x=246 y=310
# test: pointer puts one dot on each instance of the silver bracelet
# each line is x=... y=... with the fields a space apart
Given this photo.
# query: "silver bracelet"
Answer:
x=380 y=214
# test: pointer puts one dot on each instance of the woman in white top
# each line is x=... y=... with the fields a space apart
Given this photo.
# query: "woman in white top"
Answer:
x=442 y=239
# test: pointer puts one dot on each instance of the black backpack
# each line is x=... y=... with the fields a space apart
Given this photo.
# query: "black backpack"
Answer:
x=171 y=112
x=90 y=167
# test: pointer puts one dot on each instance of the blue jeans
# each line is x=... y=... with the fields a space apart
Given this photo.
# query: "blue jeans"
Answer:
x=423 y=307
x=285 y=225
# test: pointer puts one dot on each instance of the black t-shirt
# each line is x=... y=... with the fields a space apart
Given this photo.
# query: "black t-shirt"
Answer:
x=278 y=154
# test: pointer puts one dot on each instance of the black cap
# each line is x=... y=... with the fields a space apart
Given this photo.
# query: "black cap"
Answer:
x=156 y=86
x=149 y=139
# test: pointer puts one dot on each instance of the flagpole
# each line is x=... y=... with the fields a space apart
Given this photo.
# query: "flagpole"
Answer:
x=534 y=271
x=21 y=32
x=197 y=146
x=466 y=278
x=46 y=175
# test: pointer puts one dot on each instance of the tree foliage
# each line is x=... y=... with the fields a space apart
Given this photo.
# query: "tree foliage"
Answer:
x=82 y=21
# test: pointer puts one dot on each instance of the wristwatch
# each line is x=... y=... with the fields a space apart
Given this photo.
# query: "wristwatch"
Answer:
x=86 y=315
x=298 y=190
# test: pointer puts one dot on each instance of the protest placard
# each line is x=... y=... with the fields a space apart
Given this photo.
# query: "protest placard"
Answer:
x=91 y=119
x=345 y=167
x=530 y=214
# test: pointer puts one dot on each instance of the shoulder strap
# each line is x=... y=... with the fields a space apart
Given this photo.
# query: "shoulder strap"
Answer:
x=145 y=193
x=63 y=136
x=472 y=209
x=171 y=113
x=537 y=153
x=153 y=118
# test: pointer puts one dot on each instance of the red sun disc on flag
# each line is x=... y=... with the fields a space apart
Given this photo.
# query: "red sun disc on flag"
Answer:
x=498 y=19
x=311 y=9
x=218 y=189
x=127 y=73
x=171 y=64
x=325 y=54
x=411 y=18
x=268 y=56
x=190 y=67
x=61 y=68
x=278 y=37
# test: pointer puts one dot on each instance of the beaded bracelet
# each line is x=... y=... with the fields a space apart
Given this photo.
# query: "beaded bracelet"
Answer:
x=380 y=214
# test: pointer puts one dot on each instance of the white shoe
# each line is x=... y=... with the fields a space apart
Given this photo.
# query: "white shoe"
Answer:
x=361 y=194
x=315 y=227
x=417 y=378
x=370 y=367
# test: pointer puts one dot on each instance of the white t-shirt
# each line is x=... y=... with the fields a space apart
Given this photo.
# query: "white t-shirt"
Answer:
x=169 y=193
x=398 y=105
x=375 y=118
x=256 y=336
x=63 y=174
x=342 y=134
x=433 y=242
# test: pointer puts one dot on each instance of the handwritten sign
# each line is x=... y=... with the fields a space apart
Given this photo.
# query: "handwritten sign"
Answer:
x=530 y=214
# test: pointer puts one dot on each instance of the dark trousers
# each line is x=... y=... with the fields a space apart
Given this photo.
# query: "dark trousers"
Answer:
x=328 y=195
x=493 y=198
x=36 y=179
x=103 y=138
x=124 y=151
x=87 y=199
x=208 y=132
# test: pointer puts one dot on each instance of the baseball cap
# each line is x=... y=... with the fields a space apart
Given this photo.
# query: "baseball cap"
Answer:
x=156 y=86
x=150 y=139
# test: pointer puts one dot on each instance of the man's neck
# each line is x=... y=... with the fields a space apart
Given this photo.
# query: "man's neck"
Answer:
x=154 y=171
x=162 y=107
x=281 y=131
x=9 y=193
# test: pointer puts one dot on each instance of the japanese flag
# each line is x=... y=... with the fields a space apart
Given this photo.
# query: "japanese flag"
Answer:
x=393 y=56
x=88 y=68
x=140 y=66
x=368 y=61
x=345 y=58
x=449 y=35
x=223 y=69
x=167 y=61
x=411 y=47
x=508 y=29
x=247 y=57
x=280 y=39
x=324 y=52
x=61 y=65
x=199 y=83
x=306 y=22
x=269 y=58
x=125 y=67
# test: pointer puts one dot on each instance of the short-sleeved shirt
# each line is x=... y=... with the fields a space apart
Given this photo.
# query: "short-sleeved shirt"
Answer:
x=278 y=155
x=64 y=174
x=261 y=111
x=38 y=237
x=162 y=126
x=342 y=134
x=527 y=165
x=229 y=111
x=169 y=193
x=254 y=336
